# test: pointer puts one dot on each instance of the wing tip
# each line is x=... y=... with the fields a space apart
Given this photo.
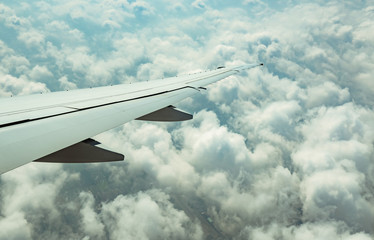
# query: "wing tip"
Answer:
x=246 y=66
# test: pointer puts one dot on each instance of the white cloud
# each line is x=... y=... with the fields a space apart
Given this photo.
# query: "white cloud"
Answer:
x=147 y=215
x=324 y=230
x=283 y=151
x=64 y=33
x=327 y=94
x=10 y=19
x=90 y=220
x=143 y=7
x=154 y=154
x=32 y=39
x=200 y=4
x=210 y=146
x=15 y=227
x=65 y=84
x=27 y=188
x=271 y=198
x=15 y=64
x=335 y=164
x=175 y=5
x=29 y=196
x=40 y=73
x=337 y=194
x=19 y=86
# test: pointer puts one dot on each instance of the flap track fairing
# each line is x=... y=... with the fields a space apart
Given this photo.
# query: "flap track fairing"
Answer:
x=167 y=114
x=87 y=151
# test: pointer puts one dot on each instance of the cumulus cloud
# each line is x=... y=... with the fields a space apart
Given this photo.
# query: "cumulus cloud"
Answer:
x=199 y=4
x=322 y=230
x=90 y=220
x=280 y=152
x=32 y=39
x=40 y=73
x=29 y=196
x=147 y=215
x=11 y=86
x=65 y=84
x=15 y=226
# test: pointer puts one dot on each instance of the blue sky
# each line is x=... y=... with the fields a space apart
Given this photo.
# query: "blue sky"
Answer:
x=280 y=152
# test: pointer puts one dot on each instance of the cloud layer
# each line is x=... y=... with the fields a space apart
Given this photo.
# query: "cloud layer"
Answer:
x=280 y=152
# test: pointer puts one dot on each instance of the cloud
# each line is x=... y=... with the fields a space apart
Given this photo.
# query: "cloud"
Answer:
x=29 y=198
x=14 y=64
x=32 y=39
x=40 y=73
x=335 y=162
x=15 y=227
x=306 y=231
x=205 y=139
x=282 y=151
x=65 y=84
x=336 y=194
x=11 y=86
x=156 y=155
x=145 y=216
x=90 y=220
x=334 y=135
x=272 y=197
x=14 y=71
x=199 y=4
x=10 y=19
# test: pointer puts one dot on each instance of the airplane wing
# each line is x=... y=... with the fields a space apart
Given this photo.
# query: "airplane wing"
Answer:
x=56 y=127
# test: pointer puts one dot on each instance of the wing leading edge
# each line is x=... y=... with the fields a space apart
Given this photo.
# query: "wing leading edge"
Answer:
x=33 y=127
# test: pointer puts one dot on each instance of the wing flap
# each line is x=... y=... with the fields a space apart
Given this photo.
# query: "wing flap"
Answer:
x=87 y=151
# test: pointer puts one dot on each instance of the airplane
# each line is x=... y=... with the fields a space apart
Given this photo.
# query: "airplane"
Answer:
x=58 y=126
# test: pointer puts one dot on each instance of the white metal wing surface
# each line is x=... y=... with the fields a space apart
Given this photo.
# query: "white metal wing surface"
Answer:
x=56 y=127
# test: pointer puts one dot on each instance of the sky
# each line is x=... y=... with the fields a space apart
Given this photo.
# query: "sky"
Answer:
x=285 y=151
